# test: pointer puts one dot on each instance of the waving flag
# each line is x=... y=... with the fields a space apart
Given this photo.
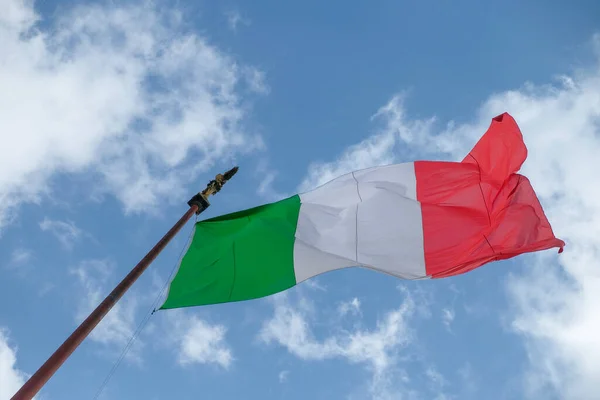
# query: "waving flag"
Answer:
x=417 y=220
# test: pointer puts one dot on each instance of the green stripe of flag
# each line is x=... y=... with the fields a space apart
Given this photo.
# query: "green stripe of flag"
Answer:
x=239 y=256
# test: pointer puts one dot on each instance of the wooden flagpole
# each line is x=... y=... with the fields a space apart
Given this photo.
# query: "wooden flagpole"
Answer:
x=197 y=204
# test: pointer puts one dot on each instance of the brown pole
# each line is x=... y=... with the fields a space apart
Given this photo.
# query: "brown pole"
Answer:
x=197 y=204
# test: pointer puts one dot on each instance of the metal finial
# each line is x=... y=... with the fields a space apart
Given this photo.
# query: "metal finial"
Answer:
x=213 y=187
x=216 y=184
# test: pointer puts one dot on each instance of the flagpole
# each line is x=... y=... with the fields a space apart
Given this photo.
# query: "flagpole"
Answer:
x=197 y=204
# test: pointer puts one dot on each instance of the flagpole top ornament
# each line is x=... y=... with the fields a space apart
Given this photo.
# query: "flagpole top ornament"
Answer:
x=200 y=200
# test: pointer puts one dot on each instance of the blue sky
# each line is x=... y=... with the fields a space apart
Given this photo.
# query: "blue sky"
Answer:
x=113 y=115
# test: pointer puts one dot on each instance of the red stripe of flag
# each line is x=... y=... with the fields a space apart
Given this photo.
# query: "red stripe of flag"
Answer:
x=481 y=210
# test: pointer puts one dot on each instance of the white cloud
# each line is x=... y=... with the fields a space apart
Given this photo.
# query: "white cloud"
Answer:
x=437 y=384
x=266 y=175
x=435 y=376
x=122 y=94
x=202 y=343
x=283 y=376
x=314 y=284
x=46 y=288
x=377 y=348
x=378 y=149
x=469 y=380
x=448 y=316
x=20 y=256
x=235 y=18
x=556 y=300
x=195 y=341
x=349 y=307
x=11 y=378
x=118 y=326
x=20 y=262
x=66 y=232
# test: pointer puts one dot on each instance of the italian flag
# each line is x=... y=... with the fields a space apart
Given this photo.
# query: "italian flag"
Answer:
x=417 y=220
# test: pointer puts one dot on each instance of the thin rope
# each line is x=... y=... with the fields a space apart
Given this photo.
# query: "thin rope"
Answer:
x=145 y=320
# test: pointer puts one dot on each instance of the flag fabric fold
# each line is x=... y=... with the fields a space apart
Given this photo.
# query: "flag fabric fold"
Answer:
x=417 y=220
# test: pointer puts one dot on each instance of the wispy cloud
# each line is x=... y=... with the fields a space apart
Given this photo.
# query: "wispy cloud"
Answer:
x=11 y=378
x=469 y=380
x=141 y=116
x=376 y=150
x=20 y=255
x=349 y=307
x=20 y=262
x=448 y=316
x=283 y=376
x=46 y=288
x=235 y=19
x=314 y=284
x=437 y=384
x=435 y=376
x=266 y=177
x=379 y=149
x=66 y=232
x=377 y=349
x=118 y=326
